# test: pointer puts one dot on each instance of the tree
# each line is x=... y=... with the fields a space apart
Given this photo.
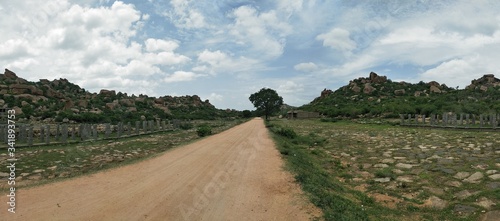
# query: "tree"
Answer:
x=266 y=101
x=247 y=114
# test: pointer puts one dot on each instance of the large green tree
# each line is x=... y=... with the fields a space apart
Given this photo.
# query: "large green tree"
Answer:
x=266 y=101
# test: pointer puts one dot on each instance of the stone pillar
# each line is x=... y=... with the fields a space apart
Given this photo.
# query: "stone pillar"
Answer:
x=416 y=119
x=445 y=119
x=42 y=134
x=129 y=128
x=22 y=133
x=409 y=120
x=493 y=121
x=145 y=126
x=81 y=132
x=107 y=130
x=94 y=132
x=119 y=130
x=73 y=131
x=64 y=135
x=467 y=121
x=30 y=136
x=163 y=126
x=47 y=135
x=423 y=119
x=3 y=134
x=461 y=119
x=473 y=120
x=58 y=131
x=137 y=127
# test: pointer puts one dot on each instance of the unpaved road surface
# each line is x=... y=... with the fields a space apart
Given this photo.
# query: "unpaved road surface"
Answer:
x=235 y=175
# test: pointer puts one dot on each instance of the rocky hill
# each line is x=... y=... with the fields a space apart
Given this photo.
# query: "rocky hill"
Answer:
x=377 y=96
x=60 y=100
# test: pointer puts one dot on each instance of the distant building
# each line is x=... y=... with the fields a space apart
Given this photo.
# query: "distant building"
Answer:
x=298 y=114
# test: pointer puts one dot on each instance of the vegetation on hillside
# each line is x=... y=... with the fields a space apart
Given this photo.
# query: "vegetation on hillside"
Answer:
x=62 y=101
x=372 y=97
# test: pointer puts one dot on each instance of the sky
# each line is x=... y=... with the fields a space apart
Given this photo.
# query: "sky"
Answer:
x=225 y=50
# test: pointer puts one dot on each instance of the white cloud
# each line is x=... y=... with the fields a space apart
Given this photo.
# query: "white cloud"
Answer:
x=185 y=16
x=215 y=97
x=338 y=39
x=83 y=42
x=265 y=32
x=214 y=62
x=290 y=87
x=160 y=45
x=460 y=71
x=306 y=67
x=213 y=58
x=179 y=76
x=14 y=48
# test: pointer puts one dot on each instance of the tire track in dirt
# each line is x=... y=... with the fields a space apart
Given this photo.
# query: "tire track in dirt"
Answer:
x=234 y=175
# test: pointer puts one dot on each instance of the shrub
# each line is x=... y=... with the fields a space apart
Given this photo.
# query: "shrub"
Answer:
x=186 y=126
x=204 y=130
x=286 y=132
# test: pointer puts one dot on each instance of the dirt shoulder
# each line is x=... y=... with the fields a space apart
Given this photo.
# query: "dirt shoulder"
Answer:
x=234 y=175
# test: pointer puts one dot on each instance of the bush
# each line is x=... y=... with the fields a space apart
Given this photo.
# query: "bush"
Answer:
x=286 y=132
x=204 y=130
x=186 y=126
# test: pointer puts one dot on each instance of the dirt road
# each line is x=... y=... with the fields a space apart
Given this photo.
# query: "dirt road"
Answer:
x=234 y=175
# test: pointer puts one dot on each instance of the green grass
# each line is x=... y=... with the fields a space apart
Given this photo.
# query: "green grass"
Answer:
x=330 y=158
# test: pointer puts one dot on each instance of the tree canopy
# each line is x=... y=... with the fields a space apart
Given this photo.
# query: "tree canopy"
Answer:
x=266 y=101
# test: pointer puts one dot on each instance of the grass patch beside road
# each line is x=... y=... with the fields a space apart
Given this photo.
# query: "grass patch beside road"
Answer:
x=356 y=171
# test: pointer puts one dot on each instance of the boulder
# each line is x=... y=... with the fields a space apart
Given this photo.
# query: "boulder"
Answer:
x=127 y=102
x=82 y=103
x=368 y=89
x=356 y=89
x=434 y=83
x=107 y=93
x=44 y=81
x=9 y=74
x=434 y=89
x=326 y=92
x=68 y=104
x=22 y=88
x=376 y=79
x=400 y=92
x=159 y=101
x=483 y=88
x=112 y=106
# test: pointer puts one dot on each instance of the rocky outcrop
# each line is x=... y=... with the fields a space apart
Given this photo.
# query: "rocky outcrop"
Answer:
x=325 y=93
x=434 y=83
x=485 y=82
x=376 y=79
x=60 y=94
x=9 y=74
x=107 y=93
